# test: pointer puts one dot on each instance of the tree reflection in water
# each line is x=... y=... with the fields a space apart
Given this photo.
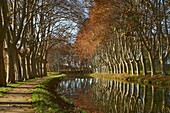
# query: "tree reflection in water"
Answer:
x=118 y=97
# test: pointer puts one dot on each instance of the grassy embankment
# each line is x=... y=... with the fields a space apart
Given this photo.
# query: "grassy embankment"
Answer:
x=157 y=80
x=47 y=100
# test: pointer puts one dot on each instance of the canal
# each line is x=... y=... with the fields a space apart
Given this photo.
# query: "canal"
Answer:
x=110 y=96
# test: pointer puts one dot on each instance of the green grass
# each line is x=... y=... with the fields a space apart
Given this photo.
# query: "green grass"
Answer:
x=45 y=98
x=42 y=98
x=12 y=85
x=53 y=73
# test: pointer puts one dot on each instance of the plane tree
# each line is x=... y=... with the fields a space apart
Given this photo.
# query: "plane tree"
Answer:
x=3 y=33
x=127 y=35
x=31 y=28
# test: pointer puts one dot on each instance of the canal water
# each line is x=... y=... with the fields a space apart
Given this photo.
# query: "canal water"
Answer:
x=109 y=96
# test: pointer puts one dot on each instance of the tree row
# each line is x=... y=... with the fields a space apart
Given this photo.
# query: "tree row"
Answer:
x=28 y=29
x=127 y=36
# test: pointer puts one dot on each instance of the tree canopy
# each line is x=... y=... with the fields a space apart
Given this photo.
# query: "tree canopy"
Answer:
x=30 y=28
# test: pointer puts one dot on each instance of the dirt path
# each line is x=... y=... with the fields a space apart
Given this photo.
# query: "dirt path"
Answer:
x=18 y=100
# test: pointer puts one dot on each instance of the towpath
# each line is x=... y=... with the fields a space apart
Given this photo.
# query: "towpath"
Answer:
x=19 y=99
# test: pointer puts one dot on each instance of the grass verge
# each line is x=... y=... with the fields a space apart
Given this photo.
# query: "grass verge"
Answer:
x=156 y=80
x=47 y=100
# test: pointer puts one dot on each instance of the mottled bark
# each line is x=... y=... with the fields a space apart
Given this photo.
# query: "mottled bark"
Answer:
x=17 y=66
x=143 y=62
x=120 y=68
x=127 y=68
x=3 y=32
x=123 y=67
x=2 y=67
x=132 y=67
x=152 y=64
x=163 y=66
x=10 y=64
x=23 y=68
x=137 y=67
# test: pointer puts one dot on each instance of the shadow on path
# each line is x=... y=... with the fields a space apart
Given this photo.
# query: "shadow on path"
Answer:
x=19 y=99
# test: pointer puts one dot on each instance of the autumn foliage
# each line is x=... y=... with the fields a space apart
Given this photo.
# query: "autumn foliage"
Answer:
x=121 y=36
x=95 y=28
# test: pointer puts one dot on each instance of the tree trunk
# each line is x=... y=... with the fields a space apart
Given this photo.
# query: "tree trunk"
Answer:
x=33 y=66
x=23 y=68
x=110 y=67
x=45 y=65
x=163 y=67
x=3 y=32
x=17 y=66
x=120 y=68
x=137 y=67
x=2 y=67
x=152 y=64
x=123 y=67
x=144 y=71
x=114 y=69
x=28 y=67
x=132 y=67
x=117 y=69
x=45 y=68
x=127 y=67
x=38 y=67
x=10 y=64
x=41 y=67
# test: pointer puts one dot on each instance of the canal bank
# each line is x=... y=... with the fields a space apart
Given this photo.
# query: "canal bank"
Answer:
x=157 y=80
x=46 y=99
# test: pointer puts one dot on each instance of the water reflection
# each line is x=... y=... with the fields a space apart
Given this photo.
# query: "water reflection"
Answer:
x=118 y=97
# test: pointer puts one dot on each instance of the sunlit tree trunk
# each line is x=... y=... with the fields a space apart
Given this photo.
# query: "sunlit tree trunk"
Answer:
x=137 y=67
x=132 y=67
x=114 y=69
x=143 y=62
x=163 y=66
x=152 y=64
x=127 y=67
x=120 y=68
